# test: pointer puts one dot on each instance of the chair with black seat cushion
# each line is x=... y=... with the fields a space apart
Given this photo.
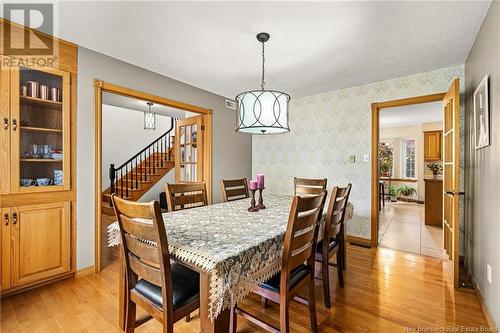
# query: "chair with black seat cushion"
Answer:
x=234 y=189
x=308 y=186
x=185 y=195
x=297 y=271
x=166 y=291
x=333 y=242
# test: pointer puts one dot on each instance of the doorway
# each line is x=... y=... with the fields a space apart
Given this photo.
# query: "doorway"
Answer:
x=450 y=189
x=411 y=196
x=141 y=175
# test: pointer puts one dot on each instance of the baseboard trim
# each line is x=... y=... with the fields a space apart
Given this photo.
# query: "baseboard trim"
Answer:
x=487 y=314
x=50 y=280
x=360 y=241
x=84 y=272
x=411 y=200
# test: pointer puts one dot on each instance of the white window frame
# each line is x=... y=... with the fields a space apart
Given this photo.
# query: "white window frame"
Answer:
x=403 y=157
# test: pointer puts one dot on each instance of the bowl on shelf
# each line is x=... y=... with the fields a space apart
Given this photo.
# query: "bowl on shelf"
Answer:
x=57 y=156
x=27 y=182
x=43 y=181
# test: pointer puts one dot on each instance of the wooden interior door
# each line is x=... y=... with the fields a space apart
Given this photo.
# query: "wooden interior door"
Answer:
x=451 y=190
x=5 y=135
x=41 y=241
x=5 y=249
x=189 y=140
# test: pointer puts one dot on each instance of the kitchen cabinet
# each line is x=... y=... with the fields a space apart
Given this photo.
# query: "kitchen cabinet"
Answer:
x=432 y=146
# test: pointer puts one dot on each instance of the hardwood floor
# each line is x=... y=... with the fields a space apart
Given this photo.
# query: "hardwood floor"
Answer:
x=385 y=290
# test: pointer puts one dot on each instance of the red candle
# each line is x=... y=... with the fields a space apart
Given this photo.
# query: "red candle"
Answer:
x=253 y=185
x=260 y=180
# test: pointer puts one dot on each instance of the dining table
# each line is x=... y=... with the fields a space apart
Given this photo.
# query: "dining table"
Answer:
x=233 y=250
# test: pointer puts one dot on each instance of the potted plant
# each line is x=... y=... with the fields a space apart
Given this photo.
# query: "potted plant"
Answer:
x=393 y=192
x=436 y=169
x=385 y=159
x=384 y=169
x=407 y=191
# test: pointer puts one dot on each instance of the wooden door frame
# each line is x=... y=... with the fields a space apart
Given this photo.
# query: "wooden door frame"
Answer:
x=102 y=86
x=376 y=107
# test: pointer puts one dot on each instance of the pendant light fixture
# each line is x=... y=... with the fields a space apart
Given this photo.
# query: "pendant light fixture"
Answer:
x=149 y=118
x=262 y=111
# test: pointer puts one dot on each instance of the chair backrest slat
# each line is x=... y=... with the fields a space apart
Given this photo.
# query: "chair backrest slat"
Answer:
x=301 y=233
x=304 y=186
x=185 y=195
x=334 y=223
x=140 y=228
x=302 y=239
x=147 y=272
x=144 y=246
x=234 y=189
x=147 y=252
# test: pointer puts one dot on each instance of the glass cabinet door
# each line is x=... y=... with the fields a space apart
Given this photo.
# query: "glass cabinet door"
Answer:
x=40 y=138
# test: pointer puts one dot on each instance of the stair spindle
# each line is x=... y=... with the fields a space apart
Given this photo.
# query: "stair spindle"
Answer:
x=126 y=180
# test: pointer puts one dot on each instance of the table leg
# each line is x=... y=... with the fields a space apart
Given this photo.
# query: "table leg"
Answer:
x=122 y=304
x=219 y=324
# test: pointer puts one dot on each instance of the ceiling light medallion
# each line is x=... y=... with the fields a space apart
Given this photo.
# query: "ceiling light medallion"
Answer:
x=262 y=111
x=149 y=118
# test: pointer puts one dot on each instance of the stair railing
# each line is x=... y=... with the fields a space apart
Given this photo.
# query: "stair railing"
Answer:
x=142 y=164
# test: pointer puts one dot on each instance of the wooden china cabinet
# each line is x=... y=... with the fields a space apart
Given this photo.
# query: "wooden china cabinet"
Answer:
x=37 y=165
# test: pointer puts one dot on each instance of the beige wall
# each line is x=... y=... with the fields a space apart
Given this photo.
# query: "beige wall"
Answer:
x=396 y=135
x=483 y=166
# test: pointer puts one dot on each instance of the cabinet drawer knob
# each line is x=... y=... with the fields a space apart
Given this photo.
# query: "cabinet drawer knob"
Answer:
x=5 y=123
x=14 y=218
x=6 y=218
x=14 y=124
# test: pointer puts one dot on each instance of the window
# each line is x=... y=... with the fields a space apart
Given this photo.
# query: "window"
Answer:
x=386 y=159
x=408 y=158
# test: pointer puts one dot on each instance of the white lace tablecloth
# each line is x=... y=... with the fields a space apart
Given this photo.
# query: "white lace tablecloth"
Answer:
x=238 y=248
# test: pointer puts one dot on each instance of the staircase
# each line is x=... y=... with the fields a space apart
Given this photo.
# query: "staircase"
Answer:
x=143 y=170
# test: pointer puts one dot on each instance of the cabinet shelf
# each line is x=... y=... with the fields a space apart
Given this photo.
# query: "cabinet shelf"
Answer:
x=41 y=129
x=40 y=160
x=41 y=102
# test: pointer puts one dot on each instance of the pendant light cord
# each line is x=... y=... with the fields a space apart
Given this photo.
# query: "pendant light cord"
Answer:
x=263 y=69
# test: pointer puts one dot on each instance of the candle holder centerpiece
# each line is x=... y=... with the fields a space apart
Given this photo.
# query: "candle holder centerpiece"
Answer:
x=253 y=187
x=260 y=185
x=261 y=200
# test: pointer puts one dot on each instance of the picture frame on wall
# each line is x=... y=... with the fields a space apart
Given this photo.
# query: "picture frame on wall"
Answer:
x=482 y=114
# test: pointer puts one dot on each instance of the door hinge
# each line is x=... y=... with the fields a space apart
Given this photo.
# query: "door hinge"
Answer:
x=202 y=127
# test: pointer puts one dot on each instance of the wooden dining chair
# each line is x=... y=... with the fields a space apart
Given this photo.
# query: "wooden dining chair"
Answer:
x=185 y=195
x=333 y=242
x=166 y=291
x=234 y=189
x=297 y=269
x=305 y=186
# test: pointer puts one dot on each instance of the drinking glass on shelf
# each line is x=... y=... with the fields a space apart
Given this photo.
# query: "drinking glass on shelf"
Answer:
x=47 y=151
x=35 y=151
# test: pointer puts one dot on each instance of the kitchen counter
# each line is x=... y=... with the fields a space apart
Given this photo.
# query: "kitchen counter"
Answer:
x=434 y=201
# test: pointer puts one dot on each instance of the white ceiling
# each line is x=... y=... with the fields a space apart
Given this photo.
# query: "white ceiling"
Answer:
x=411 y=115
x=314 y=46
x=140 y=105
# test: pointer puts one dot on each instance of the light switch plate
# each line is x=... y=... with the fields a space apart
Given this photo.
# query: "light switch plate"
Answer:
x=488 y=273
